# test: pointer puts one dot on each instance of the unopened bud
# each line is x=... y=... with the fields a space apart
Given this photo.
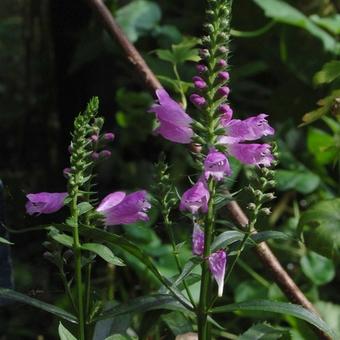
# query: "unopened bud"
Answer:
x=266 y=211
x=105 y=154
x=67 y=172
x=251 y=206
x=109 y=136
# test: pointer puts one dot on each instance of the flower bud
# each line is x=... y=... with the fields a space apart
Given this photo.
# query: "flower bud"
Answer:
x=197 y=100
x=266 y=211
x=209 y=28
x=199 y=83
x=95 y=156
x=67 y=172
x=223 y=49
x=223 y=91
x=105 y=154
x=94 y=138
x=204 y=53
x=109 y=136
x=222 y=63
x=201 y=68
x=251 y=206
x=224 y=75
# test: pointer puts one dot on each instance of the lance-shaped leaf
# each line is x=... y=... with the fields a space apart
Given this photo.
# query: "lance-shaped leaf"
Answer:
x=280 y=308
x=12 y=295
x=104 y=252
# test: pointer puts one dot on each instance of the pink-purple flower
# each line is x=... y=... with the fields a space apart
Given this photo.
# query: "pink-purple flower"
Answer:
x=45 y=202
x=197 y=240
x=217 y=265
x=258 y=154
x=120 y=208
x=196 y=198
x=216 y=165
x=174 y=123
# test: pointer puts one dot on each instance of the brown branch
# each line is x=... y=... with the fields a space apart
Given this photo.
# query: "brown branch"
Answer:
x=269 y=260
x=129 y=49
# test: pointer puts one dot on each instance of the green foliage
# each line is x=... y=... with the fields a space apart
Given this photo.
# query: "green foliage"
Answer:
x=138 y=17
x=317 y=268
x=277 y=307
x=328 y=73
x=320 y=228
x=104 y=252
x=64 y=333
x=14 y=296
x=282 y=12
x=4 y=241
x=262 y=331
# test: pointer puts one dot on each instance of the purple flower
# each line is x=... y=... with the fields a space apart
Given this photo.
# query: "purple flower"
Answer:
x=196 y=198
x=197 y=100
x=222 y=63
x=201 y=68
x=249 y=129
x=174 y=123
x=45 y=202
x=197 y=240
x=223 y=91
x=224 y=75
x=252 y=153
x=119 y=208
x=227 y=113
x=109 y=136
x=199 y=82
x=216 y=165
x=217 y=264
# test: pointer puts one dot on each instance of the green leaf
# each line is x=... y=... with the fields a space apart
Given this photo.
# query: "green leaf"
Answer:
x=325 y=104
x=266 y=235
x=301 y=180
x=123 y=244
x=187 y=269
x=262 y=331
x=320 y=226
x=226 y=238
x=138 y=17
x=331 y=23
x=63 y=239
x=65 y=334
x=328 y=73
x=84 y=207
x=318 y=268
x=143 y=304
x=330 y=312
x=321 y=144
x=280 y=308
x=283 y=12
x=177 y=322
x=104 y=252
x=121 y=337
x=174 y=84
x=12 y=295
x=4 y=241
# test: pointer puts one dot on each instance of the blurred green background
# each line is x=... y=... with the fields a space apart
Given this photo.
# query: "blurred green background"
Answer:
x=55 y=55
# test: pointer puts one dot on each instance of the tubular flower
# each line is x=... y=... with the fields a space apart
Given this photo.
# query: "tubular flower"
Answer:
x=217 y=264
x=197 y=240
x=216 y=165
x=252 y=153
x=196 y=198
x=45 y=202
x=119 y=208
x=174 y=123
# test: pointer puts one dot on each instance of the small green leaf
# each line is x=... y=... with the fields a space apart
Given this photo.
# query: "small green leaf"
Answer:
x=84 y=207
x=262 y=331
x=280 y=308
x=330 y=312
x=177 y=322
x=64 y=333
x=320 y=144
x=325 y=104
x=12 y=295
x=104 y=252
x=329 y=73
x=63 y=239
x=121 y=337
x=283 y=12
x=317 y=268
x=330 y=23
x=303 y=181
x=320 y=228
x=4 y=241
x=226 y=238
x=138 y=17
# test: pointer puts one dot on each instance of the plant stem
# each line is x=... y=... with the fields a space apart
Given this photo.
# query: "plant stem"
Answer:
x=183 y=98
x=78 y=269
x=202 y=312
x=168 y=227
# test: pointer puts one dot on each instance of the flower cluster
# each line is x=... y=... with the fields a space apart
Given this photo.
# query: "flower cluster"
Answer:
x=116 y=208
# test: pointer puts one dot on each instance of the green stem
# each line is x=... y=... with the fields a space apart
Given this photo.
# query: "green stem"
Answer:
x=261 y=280
x=67 y=288
x=78 y=269
x=168 y=227
x=203 y=308
x=181 y=89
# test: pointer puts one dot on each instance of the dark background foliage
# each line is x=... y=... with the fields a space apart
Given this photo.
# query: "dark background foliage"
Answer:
x=54 y=56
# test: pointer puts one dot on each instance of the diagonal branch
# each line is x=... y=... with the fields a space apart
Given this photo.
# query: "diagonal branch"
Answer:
x=269 y=260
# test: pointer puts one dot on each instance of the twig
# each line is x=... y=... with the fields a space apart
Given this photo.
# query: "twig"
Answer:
x=130 y=51
x=280 y=276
